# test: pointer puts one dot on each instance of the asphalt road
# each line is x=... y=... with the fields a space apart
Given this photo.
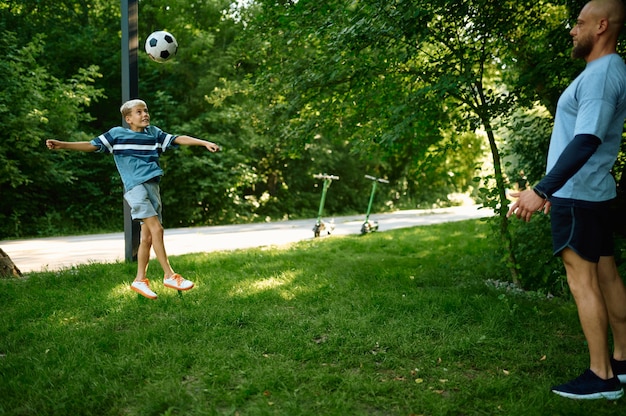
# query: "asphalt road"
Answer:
x=62 y=252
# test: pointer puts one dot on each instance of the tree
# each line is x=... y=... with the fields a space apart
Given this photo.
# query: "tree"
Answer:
x=47 y=73
x=462 y=59
x=34 y=106
x=336 y=72
x=394 y=75
x=7 y=267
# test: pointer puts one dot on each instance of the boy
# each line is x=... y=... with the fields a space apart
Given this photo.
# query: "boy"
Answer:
x=136 y=152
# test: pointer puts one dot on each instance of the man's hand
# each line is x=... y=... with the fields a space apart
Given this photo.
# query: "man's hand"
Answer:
x=528 y=202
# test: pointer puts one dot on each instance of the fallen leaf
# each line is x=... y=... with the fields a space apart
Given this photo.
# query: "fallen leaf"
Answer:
x=419 y=380
x=320 y=340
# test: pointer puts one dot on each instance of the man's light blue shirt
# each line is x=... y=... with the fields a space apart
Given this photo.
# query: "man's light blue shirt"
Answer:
x=594 y=103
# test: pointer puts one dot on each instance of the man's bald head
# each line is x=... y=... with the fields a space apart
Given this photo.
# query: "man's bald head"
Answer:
x=613 y=11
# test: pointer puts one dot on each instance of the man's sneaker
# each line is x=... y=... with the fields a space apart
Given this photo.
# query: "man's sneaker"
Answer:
x=619 y=369
x=589 y=386
x=177 y=282
x=143 y=288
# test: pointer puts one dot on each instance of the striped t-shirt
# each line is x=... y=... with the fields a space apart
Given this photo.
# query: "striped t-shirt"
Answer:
x=136 y=154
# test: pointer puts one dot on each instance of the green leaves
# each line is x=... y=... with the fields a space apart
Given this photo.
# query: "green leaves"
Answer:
x=35 y=106
x=400 y=89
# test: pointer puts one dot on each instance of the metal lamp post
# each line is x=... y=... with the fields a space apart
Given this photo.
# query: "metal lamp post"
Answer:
x=130 y=90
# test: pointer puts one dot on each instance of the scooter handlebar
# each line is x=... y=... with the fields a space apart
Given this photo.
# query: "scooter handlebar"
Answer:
x=381 y=180
x=325 y=176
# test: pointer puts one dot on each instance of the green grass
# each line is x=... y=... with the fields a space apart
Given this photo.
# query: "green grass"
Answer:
x=398 y=322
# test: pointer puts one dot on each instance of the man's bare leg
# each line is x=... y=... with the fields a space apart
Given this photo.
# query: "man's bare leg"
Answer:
x=614 y=293
x=582 y=277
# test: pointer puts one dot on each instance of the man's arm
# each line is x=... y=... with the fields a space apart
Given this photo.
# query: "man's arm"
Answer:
x=192 y=141
x=574 y=156
x=78 y=146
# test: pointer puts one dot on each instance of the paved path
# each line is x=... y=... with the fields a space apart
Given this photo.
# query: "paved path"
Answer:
x=61 y=252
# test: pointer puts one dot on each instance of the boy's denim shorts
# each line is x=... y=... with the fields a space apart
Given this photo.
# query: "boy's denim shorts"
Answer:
x=586 y=228
x=145 y=201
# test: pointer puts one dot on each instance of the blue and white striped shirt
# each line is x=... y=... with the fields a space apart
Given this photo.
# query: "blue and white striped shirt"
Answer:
x=136 y=154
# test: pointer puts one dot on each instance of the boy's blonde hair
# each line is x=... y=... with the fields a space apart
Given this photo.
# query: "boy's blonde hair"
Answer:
x=128 y=106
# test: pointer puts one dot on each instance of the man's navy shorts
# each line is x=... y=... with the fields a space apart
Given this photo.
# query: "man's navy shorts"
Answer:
x=585 y=227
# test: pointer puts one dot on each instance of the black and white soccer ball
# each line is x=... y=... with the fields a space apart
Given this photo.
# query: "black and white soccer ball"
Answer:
x=161 y=46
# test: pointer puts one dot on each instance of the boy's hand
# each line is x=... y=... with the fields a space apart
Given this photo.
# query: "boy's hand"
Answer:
x=212 y=147
x=53 y=144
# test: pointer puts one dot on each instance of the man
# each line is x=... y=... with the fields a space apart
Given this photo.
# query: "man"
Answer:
x=578 y=190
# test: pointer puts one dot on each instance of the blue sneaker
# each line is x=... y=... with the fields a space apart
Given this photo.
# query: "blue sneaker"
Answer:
x=589 y=386
x=619 y=369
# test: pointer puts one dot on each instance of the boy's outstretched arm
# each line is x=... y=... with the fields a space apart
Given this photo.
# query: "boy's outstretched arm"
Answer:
x=192 y=141
x=78 y=146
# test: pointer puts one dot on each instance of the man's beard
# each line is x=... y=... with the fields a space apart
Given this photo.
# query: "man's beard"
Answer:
x=583 y=47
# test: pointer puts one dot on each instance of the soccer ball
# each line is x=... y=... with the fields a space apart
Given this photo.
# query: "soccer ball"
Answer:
x=161 y=46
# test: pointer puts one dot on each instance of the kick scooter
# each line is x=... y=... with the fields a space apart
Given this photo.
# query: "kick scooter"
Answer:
x=369 y=226
x=319 y=224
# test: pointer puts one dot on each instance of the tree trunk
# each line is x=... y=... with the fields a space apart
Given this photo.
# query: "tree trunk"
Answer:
x=7 y=267
x=502 y=208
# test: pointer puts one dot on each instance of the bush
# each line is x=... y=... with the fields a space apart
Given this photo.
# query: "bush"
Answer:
x=540 y=270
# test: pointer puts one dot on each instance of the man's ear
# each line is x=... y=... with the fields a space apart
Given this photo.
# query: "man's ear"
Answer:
x=603 y=26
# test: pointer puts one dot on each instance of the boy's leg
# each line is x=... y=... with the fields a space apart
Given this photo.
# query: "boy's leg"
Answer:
x=154 y=230
x=143 y=253
x=141 y=284
x=170 y=278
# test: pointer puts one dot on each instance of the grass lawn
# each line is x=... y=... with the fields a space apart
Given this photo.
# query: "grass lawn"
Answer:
x=403 y=322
